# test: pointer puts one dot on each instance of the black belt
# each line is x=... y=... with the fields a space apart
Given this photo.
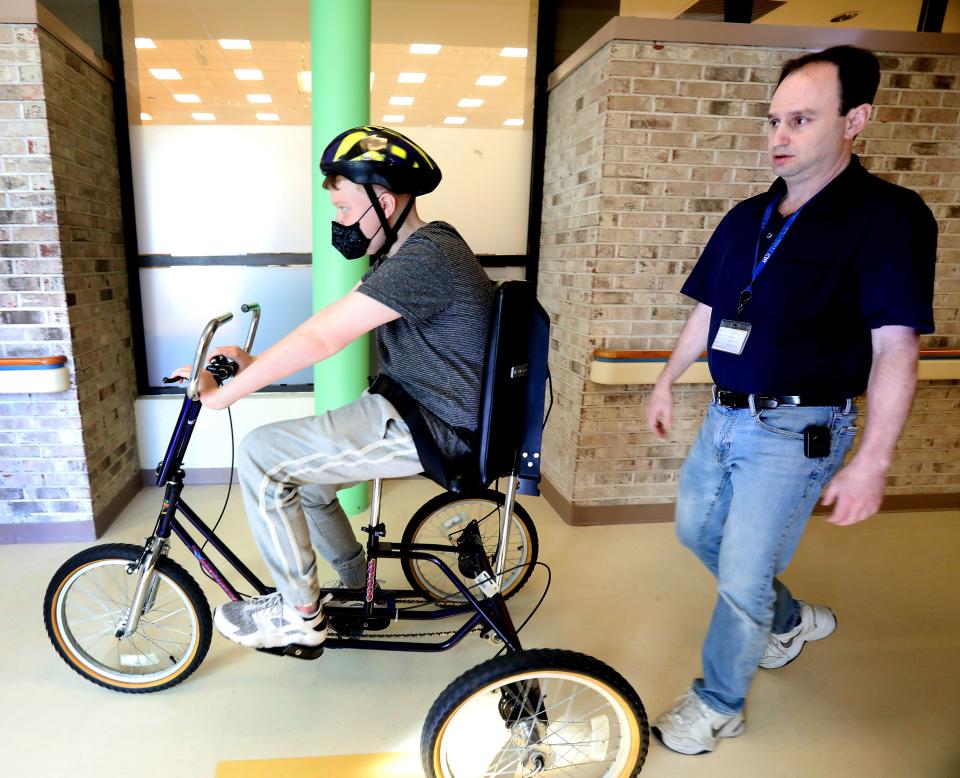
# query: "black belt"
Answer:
x=730 y=399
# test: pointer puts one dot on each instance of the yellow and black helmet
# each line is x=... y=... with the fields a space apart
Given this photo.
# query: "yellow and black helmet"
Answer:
x=379 y=155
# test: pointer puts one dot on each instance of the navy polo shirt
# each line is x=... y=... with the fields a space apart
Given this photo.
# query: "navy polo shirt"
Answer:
x=860 y=255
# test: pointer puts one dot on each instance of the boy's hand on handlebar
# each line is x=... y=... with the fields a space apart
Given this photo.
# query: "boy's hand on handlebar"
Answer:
x=205 y=387
x=237 y=354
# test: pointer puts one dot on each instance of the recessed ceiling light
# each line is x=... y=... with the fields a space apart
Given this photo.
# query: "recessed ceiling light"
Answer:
x=144 y=43
x=470 y=102
x=412 y=78
x=268 y=117
x=145 y=117
x=259 y=99
x=513 y=123
x=234 y=43
x=455 y=120
x=181 y=98
x=166 y=74
x=304 y=80
x=401 y=101
x=204 y=117
x=248 y=74
x=425 y=48
x=393 y=118
x=490 y=80
x=510 y=51
x=846 y=16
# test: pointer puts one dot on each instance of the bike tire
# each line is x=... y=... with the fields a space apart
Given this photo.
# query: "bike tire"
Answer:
x=427 y=526
x=93 y=587
x=467 y=713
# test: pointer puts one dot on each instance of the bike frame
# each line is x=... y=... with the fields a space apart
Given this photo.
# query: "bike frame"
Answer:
x=490 y=614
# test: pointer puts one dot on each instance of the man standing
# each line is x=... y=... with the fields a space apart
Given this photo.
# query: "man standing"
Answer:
x=806 y=296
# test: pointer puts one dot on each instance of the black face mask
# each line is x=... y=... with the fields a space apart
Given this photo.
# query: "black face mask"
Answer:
x=349 y=239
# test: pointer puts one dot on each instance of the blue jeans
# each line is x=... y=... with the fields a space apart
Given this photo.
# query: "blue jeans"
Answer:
x=746 y=491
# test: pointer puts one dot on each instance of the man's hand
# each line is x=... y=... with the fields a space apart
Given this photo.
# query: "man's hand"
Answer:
x=237 y=354
x=855 y=492
x=660 y=410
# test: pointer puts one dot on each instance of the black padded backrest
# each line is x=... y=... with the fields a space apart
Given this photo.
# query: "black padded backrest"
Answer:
x=504 y=389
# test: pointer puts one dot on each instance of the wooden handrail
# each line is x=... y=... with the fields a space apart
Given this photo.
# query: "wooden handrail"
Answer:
x=32 y=361
x=604 y=353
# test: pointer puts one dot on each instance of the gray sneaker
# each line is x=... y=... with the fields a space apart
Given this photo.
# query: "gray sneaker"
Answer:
x=268 y=622
x=693 y=727
x=816 y=623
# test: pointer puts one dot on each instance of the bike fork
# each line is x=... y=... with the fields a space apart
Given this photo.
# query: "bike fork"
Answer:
x=147 y=583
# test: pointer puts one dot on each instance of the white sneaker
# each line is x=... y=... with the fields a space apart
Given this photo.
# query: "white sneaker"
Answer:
x=268 y=622
x=693 y=727
x=816 y=623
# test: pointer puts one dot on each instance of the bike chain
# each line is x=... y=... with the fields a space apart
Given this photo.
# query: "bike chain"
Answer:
x=380 y=635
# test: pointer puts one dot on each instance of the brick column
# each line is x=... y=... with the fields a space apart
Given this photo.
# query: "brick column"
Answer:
x=67 y=460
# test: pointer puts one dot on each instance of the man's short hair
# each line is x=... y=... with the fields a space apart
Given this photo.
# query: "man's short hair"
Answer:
x=859 y=72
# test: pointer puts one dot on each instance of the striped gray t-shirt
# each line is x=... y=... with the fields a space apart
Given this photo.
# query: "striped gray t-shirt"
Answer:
x=435 y=349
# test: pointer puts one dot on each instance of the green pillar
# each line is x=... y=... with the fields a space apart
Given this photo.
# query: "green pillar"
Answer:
x=340 y=75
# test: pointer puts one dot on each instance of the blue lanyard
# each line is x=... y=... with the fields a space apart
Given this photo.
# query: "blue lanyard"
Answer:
x=759 y=263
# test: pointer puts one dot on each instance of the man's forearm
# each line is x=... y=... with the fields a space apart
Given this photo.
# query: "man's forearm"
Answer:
x=893 y=379
x=690 y=345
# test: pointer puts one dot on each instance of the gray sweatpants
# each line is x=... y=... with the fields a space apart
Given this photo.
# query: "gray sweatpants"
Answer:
x=290 y=472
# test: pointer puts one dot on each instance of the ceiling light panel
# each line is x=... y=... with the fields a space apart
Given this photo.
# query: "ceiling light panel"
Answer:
x=144 y=43
x=248 y=74
x=166 y=74
x=145 y=117
x=268 y=117
x=455 y=120
x=513 y=123
x=186 y=98
x=510 y=51
x=425 y=48
x=235 y=44
x=470 y=102
x=204 y=117
x=490 y=80
x=401 y=100
x=259 y=99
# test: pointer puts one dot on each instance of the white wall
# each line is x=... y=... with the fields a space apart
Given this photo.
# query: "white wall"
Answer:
x=213 y=190
x=210 y=443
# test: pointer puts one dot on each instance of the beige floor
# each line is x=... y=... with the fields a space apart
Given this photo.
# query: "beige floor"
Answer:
x=880 y=698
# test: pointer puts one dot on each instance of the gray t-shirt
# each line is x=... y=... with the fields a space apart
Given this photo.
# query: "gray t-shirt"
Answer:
x=435 y=349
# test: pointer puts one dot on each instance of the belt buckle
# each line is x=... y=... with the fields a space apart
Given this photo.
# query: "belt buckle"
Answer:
x=766 y=402
x=726 y=398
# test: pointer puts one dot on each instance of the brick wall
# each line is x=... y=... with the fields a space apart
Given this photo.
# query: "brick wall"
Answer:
x=84 y=155
x=648 y=146
x=63 y=457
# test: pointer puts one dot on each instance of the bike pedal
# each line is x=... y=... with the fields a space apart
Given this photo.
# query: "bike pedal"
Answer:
x=295 y=650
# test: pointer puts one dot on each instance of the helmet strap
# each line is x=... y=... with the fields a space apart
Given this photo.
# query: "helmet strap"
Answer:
x=389 y=232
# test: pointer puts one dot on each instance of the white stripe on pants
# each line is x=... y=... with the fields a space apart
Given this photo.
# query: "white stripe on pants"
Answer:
x=290 y=473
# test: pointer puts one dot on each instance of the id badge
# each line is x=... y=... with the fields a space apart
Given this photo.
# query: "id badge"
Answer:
x=732 y=336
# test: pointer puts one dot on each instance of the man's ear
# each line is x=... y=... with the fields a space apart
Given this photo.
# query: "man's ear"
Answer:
x=857 y=120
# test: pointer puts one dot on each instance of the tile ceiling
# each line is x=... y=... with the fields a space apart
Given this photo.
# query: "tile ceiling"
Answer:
x=186 y=38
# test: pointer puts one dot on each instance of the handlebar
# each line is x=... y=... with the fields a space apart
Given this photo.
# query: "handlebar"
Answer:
x=203 y=345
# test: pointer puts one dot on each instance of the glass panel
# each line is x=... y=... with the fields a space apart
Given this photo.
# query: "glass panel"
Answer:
x=179 y=301
x=219 y=96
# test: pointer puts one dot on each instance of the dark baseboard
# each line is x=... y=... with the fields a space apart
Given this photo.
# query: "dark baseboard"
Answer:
x=103 y=518
x=47 y=532
x=595 y=515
